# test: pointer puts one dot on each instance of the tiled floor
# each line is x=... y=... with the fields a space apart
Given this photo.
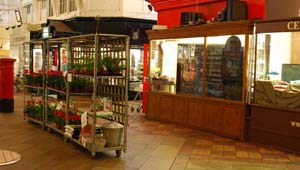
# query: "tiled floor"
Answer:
x=205 y=151
x=151 y=146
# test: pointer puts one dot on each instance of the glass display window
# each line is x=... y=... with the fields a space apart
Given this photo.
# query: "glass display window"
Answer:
x=189 y=69
x=64 y=59
x=224 y=66
x=37 y=58
x=278 y=69
x=136 y=69
x=175 y=65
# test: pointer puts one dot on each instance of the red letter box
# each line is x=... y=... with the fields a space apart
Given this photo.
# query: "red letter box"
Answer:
x=7 y=84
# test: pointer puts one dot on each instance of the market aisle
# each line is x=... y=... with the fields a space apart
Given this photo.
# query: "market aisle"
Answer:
x=151 y=145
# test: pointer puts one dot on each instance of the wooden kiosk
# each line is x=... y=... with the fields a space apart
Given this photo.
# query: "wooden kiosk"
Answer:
x=275 y=108
x=197 y=76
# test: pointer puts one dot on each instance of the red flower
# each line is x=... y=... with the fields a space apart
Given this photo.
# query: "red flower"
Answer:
x=26 y=71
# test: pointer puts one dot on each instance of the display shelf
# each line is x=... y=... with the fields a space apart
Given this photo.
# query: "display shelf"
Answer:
x=97 y=148
x=80 y=94
x=97 y=77
x=58 y=91
x=213 y=74
x=34 y=120
x=80 y=50
x=110 y=49
x=53 y=127
x=33 y=75
x=33 y=87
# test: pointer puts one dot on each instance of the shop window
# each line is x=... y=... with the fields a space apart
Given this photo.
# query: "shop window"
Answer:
x=62 y=6
x=37 y=58
x=189 y=69
x=51 y=13
x=27 y=9
x=175 y=65
x=136 y=69
x=278 y=69
x=43 y=4
x=224 y=67
x=72 y=5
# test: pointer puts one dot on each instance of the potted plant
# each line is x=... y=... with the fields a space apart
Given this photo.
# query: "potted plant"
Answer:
x=60 y=117
x=110 y=66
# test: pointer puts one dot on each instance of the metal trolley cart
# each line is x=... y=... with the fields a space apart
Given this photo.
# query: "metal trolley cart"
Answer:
x=102 y=60
x=93 y=68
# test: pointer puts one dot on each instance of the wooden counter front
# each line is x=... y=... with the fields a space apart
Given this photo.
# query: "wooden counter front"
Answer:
x=221 y=117
x=275 y=126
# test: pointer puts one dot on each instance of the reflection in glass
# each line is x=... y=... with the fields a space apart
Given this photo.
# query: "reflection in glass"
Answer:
x=189 y=69
x=278 y=69
x=224 y=67
x=175 y=65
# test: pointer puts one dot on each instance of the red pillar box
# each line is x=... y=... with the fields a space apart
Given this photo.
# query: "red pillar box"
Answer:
x=7 y=84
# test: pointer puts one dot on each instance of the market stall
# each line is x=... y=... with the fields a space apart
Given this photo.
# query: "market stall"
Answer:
x=198 y=76
x=275 y=104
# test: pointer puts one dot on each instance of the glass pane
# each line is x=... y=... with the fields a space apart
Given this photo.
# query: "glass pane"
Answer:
x=37 y=58
x=224 y=67
x=175 y=65
x=136 y=69
x=189 y=68
x=278 y=69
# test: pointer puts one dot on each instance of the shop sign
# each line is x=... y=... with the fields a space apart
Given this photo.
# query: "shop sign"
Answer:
x=135 y=35
x=293 y=25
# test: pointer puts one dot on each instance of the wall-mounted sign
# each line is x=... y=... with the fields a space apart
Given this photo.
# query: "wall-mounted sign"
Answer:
x=293 y=25
x=46 y=32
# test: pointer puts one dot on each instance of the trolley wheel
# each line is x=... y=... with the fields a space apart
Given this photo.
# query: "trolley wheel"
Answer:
x=93 y=154
x=131 y=108
x=118 y=153
x=49 y=130
x=65 y=139
x=138 y=109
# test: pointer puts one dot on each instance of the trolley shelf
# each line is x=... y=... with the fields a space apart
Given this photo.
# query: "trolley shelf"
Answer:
x=55 y=90
x=53 y=127
x=33 y=87
x=97 y=77
x=33 y=120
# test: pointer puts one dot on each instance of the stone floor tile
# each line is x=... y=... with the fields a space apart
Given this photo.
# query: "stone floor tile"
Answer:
x=208 y=165
x=202 y=152
x=295 y=166
x=242 y=154
x=157 y=163
x=265 y=150
x=254 y=155
x=204 y=142
x=172 y=140
x=229 y=148
x=186 y=150
x=293 y=157
x=229 y=154
x=217 y=147
x=179 y=165
x=164 y=151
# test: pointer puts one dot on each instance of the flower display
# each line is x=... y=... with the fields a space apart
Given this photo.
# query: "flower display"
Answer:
x=34 y=109
x=56 y=79
x=33 y=78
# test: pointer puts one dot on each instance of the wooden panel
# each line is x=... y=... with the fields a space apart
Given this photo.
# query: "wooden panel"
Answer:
x=215 y=116
x=232 y=121
x=275 y=120
x=220 y=116
x=274 y=127
x=197 y=116
x=166 y=108
x=213 y=29
x=180 y=111
x=152 y=106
